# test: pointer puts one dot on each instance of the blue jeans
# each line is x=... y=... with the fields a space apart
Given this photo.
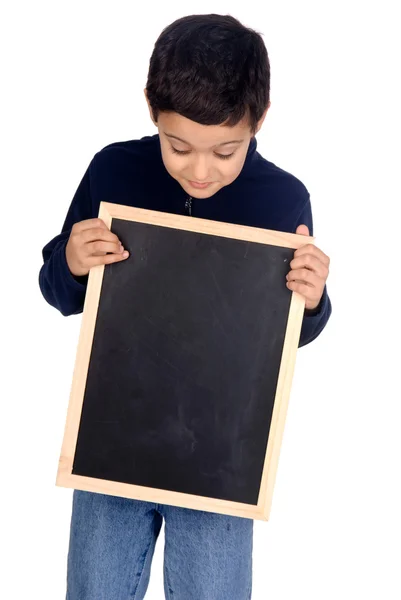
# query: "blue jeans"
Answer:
x=207 y=556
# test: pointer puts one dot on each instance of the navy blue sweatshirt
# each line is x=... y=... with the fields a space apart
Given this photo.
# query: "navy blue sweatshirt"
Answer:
x=133 y=173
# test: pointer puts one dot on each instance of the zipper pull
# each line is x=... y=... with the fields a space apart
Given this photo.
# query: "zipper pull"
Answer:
x=188 y=206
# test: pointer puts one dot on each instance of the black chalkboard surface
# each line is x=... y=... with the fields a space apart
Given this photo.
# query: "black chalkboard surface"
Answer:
x=184 y=364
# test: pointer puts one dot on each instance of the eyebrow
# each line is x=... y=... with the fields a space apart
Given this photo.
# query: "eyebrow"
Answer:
x=175 y=137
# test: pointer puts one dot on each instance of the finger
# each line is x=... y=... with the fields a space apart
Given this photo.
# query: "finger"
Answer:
x=302 y=230
x=308 y=292
x=89 y=224
x=107 y=259
x=315 y=251
x=306 y=276
x=311 y=262
x=98 y=247
x=97 y=233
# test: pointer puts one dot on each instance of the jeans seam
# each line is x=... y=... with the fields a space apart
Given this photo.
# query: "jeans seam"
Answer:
x=168 y=581
x=141 y=574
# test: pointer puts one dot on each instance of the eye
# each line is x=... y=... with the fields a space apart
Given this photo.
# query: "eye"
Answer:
x=180 y=152
x=186 y=152
x=224 y=156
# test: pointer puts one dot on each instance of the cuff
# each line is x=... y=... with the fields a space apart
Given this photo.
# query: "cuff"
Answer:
x=319 y=308
x=77 y=283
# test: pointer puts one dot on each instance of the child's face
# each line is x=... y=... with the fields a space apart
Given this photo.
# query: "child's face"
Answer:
x=205 y=158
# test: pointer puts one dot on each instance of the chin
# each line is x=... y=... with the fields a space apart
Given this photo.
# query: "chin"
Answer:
x=201 y=194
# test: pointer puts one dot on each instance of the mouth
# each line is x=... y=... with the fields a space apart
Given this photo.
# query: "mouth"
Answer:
x=200 y=186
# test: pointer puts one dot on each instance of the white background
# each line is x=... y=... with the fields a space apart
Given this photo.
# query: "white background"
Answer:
x=72 y=80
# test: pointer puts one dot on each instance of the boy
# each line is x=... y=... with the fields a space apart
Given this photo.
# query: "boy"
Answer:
x=208 y=94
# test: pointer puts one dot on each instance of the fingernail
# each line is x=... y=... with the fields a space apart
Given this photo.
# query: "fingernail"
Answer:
x=125 y=254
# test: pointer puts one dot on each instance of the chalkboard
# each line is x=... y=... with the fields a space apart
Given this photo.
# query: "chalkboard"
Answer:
x=177 y=395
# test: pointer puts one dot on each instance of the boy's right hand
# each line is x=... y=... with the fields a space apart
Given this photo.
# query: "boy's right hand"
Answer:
x=88 y=245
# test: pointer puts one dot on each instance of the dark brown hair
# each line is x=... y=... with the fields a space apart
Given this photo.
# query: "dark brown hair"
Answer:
x=210 y=69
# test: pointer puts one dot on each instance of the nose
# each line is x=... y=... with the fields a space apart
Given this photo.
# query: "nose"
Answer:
x=200 y=168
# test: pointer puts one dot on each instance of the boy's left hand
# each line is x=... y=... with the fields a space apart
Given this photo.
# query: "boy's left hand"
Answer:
x=310 y=269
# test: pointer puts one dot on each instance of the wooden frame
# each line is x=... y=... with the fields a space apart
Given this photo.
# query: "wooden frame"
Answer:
x=65 y=478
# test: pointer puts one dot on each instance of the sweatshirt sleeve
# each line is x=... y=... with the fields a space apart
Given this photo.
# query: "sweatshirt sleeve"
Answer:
x=314 y=321
x=59 y=287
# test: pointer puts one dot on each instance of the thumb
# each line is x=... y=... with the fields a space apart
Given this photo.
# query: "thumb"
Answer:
x=302 y=230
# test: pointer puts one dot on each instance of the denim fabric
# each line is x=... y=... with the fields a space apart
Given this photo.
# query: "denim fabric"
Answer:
x=207 y=556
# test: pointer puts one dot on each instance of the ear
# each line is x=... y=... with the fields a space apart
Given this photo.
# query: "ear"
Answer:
x=149 y=107
x=261 y=120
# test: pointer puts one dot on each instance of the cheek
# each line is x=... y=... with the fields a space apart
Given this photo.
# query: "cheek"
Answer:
x=172 y=163
x=230 y=169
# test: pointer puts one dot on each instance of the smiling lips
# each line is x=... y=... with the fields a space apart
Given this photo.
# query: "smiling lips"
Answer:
x=200 y=186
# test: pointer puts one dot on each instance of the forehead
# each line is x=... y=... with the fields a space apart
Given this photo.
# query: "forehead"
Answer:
x=201 y=136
